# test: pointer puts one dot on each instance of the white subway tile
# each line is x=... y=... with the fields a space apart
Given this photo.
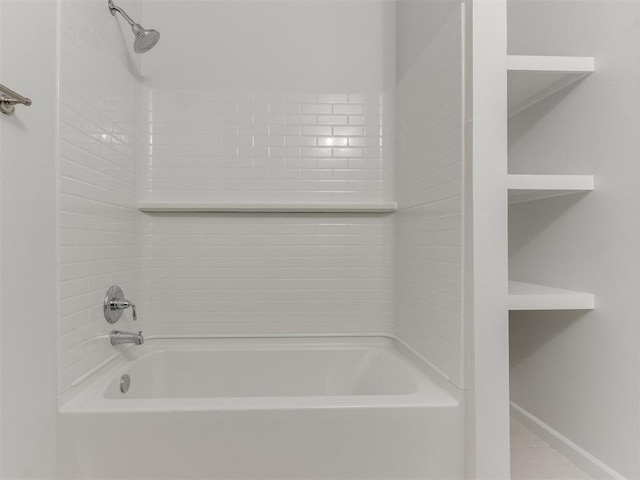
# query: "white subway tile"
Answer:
x=253 y=130
x=348 y=131
x=301 y=141
x=285 y=130
x=301 y=119
x=269 y=141
x=285 y=108
x=316 y=130
x=348 y=152
x=316 y=152
x=350 y=109
x=333 y=141
x=316 y=109
x=332 y=119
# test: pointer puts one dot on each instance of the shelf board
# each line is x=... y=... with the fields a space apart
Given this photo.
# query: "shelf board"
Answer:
x=525 y=188
x=310 y=207
x=528 y=296
x=534 y=78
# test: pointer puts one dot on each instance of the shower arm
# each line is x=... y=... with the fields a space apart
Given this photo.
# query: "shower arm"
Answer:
x=145 y=39
x=113 y=8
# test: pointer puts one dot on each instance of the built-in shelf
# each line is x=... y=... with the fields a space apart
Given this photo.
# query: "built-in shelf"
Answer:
x=311 y=207
x=525 y=188
x=533 y=78
x=528 y=296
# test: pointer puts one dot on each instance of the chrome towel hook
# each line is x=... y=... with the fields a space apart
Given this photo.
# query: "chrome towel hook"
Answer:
x=9 y=98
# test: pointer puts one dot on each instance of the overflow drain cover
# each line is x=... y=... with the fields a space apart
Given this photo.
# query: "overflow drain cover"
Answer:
x=125 y=383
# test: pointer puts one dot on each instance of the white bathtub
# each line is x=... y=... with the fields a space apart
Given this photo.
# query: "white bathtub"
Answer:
x=296 y=408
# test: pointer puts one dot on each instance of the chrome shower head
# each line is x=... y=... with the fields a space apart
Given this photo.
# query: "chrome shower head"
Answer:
x=145 y=39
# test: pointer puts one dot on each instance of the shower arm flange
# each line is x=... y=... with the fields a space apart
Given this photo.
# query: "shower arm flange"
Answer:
x=113 y=8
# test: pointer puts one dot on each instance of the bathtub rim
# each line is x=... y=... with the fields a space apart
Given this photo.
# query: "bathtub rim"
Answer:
x=68 y=401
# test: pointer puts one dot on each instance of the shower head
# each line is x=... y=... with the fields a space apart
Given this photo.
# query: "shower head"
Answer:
x=145 y=39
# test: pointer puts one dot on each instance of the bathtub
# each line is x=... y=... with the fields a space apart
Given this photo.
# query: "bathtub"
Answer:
x=263 y=408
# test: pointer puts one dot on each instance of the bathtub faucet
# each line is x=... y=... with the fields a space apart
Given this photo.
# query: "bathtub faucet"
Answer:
x=119 y=337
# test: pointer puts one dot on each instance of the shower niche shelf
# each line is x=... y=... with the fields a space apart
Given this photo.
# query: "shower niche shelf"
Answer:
x=526 y=188
x=307 y=207
x=529 y=296
x=531 y=79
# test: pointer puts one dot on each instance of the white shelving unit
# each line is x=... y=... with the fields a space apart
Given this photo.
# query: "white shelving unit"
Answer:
x=319 y=207
x=525 y=188
x=533 y=78
x=529 y=296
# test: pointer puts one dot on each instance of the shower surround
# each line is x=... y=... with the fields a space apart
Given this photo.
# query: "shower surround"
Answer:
x=126 y=139
x=215 y=273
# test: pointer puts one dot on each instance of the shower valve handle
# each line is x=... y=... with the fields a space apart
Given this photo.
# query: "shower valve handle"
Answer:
x=123 y=304
x=114 y=303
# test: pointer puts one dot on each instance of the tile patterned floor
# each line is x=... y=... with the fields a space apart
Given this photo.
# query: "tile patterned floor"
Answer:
x=533 y=459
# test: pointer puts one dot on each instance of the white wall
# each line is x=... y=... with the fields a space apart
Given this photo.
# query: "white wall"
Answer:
x=485 y=259
x=28 y=291
x=282 y=45
x=97 y=185
x=114 y=32
x=429 y=170
x=418 y=22
x=578 y=371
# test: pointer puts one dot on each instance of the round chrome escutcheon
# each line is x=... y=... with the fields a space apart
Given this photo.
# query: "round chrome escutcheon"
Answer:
x=111 y=313
x=125 y=383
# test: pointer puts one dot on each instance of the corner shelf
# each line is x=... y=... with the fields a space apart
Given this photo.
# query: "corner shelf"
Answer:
x=529 y=296
x=525 y=188
x=531 y=79
x=308 y=207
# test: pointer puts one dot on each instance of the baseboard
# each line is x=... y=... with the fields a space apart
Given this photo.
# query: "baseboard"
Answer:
x=583 y=459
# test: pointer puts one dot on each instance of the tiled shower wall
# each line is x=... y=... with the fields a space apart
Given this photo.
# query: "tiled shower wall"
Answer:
x=97 y=193
x=266 y=146
x=429 y=173
x=214 y=273
x=266 y=273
